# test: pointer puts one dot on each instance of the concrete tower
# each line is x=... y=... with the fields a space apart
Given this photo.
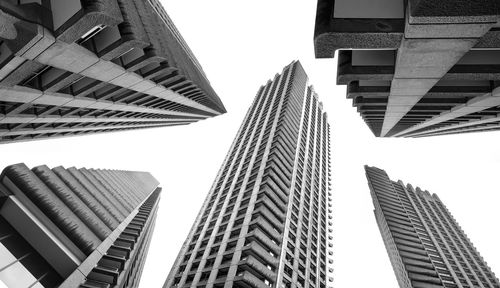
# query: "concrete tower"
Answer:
x=72 y=227
x=73 y=67
x=265 y=220
x=416 y=68
x=427 y=247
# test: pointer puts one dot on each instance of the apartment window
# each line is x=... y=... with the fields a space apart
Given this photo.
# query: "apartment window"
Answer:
x=222 y=228
x=189 y=279
x=301 y=281
x=286 y=284
x=203 y=244
x=288 y=271
x=226 y=218
x=227 y=259
x=214 y=250
x=238 y=222
x=222 y=273
x=199 y=255
x=235 y=233
x=204 y=276
x=242 y=211
x=195 y=266
x=209 y=263
x=231 y=246
x=182 y=268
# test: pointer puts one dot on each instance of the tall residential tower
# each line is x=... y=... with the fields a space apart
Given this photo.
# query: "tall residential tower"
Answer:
x=265 y=221
x=416 y=68
x=73 y=67
x=426 y=246
x=67 y=228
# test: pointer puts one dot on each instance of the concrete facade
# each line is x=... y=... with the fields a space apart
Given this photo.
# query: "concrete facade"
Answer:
x=266 y=221
x=66 y=228
x=79 y=67
x=426 y=245
x=430 y=69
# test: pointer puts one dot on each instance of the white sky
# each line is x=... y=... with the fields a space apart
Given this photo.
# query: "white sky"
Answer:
x=241 y=44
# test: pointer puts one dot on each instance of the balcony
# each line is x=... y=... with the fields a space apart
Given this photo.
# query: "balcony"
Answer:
x=266 y=212
x=247 y=279
x=266 y=227
x=276 y=189
x=274 y=200
x=260 y=236
x=251 y=263
x=258 y=251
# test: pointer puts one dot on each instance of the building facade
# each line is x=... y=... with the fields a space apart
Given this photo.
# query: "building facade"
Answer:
x=265 y=220
x=73 y=227
x=73 y=67
x=416 y=68
x=426 y=245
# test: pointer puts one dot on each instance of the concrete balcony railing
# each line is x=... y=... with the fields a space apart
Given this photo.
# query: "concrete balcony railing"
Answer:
x=271 y=205
x=255 y=249
x=284 y=171
x=472 y=70
x=277 y=172
x=417 y=263
x=262 y=237
x=253 y=263
x=422 y=271
x=250 y=280
x=278 y=190
x=266 y=227
x=264 y=211
x=276 y=203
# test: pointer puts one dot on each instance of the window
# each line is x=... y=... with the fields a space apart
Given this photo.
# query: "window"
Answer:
x=222 y=273
x=204 y=276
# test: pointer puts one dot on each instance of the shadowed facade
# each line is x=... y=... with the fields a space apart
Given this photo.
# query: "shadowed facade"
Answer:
x=73 y=67
x=418 y=68
x=73 y=227
x=426 y=245
x=264 y=222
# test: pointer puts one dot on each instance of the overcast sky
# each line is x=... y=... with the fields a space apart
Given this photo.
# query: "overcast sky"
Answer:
x=241 y=44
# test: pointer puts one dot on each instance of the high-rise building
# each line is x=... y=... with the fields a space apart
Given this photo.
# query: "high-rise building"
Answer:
x=416 y=68
x=73 y=227
x=426 y=246
x=265 y=220
x=73 y=67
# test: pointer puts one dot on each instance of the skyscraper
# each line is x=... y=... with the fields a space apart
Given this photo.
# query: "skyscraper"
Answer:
x=75 y=227
x=416 y=68
x=265 y=220
x=73 y=67
x=426 y=246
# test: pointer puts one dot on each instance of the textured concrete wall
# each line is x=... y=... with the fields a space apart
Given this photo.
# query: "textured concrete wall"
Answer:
x=157 y=78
